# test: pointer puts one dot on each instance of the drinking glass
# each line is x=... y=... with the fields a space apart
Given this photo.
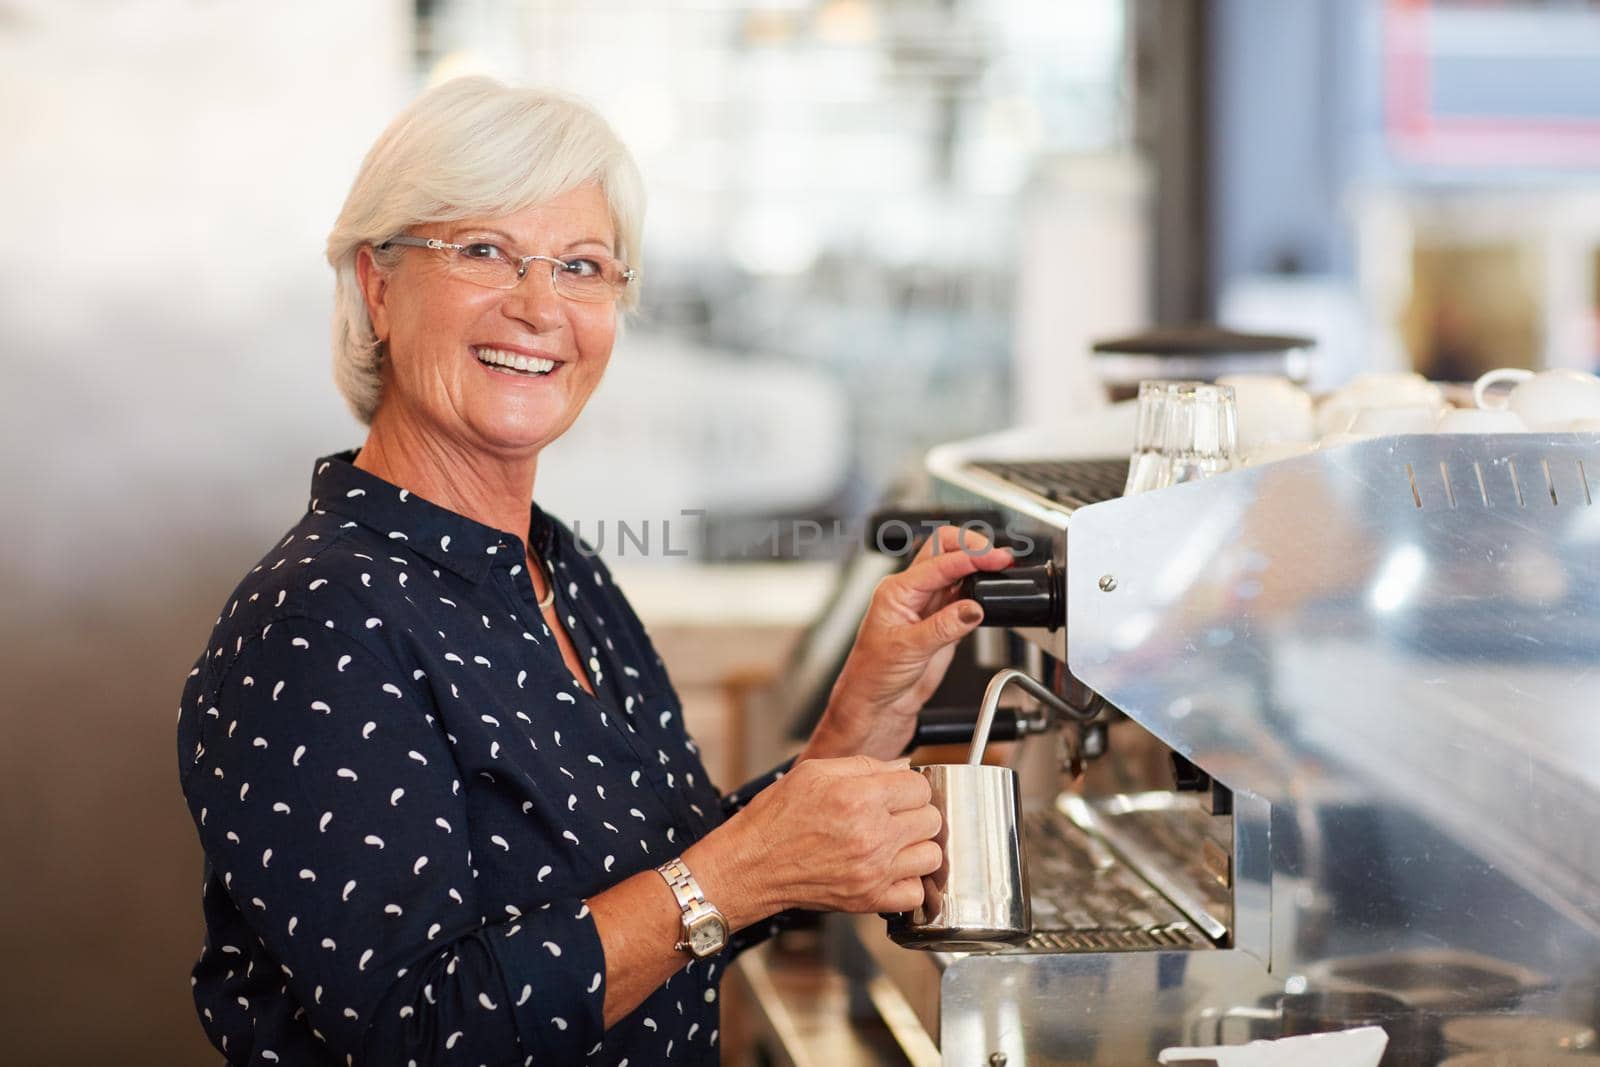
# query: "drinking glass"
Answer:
x=1150 y=425
x=1186 y=431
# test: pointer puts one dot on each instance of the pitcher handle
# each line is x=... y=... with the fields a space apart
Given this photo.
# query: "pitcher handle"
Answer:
x=1485 y=382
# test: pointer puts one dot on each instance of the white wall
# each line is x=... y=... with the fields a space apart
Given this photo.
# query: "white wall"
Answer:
x=171 y=169
x=168 y=169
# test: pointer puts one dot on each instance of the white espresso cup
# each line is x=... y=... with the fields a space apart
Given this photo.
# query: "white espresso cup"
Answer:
x=1367 y=423
x=1480 y=420
x=1548 y=400
x=1272 y=410
x=1581 y=426
x=1394 y=418
x=1338 y=411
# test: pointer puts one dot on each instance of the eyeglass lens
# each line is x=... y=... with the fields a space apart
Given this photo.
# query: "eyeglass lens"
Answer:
x=577 y=278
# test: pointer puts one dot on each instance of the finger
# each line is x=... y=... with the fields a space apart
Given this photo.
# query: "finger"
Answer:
x=947 y=539
x=916 y=824
x=950 y=538
x=905 y=791
x=858 y=765
x=936 y=573
x=932 y=602
x=904 y=895
x=916 y=860
x=944 y=627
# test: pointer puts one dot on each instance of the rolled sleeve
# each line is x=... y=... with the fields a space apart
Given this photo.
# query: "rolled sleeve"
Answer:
x=736 y=800
x=327 y=802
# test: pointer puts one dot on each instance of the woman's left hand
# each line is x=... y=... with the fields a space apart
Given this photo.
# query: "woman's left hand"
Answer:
x=904 y=647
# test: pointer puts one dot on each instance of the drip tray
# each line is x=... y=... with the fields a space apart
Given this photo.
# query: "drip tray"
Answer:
x=1087 y=898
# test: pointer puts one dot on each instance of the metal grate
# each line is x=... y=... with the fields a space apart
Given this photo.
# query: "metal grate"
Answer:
x=1127 y=939
x=1075 y=482
x=1086 y=899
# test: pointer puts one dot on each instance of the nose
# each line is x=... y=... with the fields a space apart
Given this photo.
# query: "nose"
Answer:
x=534 y=300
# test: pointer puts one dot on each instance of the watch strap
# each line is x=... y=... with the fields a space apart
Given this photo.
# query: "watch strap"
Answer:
x=691 y=900
x=682 y=883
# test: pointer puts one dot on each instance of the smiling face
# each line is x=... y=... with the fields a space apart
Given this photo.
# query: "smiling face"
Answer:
x=443 y=331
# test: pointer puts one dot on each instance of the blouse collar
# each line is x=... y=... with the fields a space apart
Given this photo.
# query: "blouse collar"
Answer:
x=465 y=546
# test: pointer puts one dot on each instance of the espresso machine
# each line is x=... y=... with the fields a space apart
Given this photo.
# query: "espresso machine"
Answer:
x=1333 y=758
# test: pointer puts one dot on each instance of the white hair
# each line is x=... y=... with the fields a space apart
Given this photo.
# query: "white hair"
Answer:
x=470 y=147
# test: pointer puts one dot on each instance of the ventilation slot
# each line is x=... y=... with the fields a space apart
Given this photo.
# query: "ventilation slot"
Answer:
x=1524 y=485
x=1416 y=497
x=1449 y=490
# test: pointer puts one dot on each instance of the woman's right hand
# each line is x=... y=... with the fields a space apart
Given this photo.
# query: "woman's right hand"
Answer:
x=852 y=834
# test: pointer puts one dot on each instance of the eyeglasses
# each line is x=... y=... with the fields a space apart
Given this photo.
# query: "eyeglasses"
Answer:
x=589 y=278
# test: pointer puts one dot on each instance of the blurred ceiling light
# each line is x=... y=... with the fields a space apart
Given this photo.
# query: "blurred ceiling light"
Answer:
x=846 y=22
x=773 y=242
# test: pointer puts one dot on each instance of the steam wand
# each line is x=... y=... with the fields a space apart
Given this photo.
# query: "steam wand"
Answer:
x=991 y=703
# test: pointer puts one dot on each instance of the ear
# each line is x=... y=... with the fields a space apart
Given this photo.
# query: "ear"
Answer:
x=374 y=283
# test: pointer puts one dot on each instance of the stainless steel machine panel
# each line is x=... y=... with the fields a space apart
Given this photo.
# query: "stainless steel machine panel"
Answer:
x=1389 y=656
x=1408 y=628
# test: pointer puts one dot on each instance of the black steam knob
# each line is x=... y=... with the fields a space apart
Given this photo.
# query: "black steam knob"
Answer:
x=1020 y=596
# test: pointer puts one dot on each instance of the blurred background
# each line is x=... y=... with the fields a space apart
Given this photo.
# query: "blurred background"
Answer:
x=874 y=225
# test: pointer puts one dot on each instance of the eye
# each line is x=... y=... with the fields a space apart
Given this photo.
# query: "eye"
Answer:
x=482 y=250
x=582 y=268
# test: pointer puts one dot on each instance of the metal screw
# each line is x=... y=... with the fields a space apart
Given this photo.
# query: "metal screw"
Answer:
x=997 y=1059
x=1107 y=583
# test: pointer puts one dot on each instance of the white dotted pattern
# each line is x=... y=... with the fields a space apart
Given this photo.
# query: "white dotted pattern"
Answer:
x=404 y=797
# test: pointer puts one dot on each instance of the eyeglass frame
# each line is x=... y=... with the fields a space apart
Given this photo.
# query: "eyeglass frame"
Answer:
x=409 y=241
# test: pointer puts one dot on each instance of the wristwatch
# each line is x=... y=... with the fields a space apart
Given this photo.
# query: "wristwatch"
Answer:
x=704 y=931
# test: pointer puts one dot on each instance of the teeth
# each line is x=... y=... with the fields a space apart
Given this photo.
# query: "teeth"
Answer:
x=514 y=360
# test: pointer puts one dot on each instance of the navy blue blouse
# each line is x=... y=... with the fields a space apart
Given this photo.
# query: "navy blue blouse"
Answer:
x=405 y=797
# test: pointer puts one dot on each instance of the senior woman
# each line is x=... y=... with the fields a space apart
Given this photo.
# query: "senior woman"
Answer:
x=449 y=809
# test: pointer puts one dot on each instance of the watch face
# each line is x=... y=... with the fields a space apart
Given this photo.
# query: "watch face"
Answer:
x=707 y=935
